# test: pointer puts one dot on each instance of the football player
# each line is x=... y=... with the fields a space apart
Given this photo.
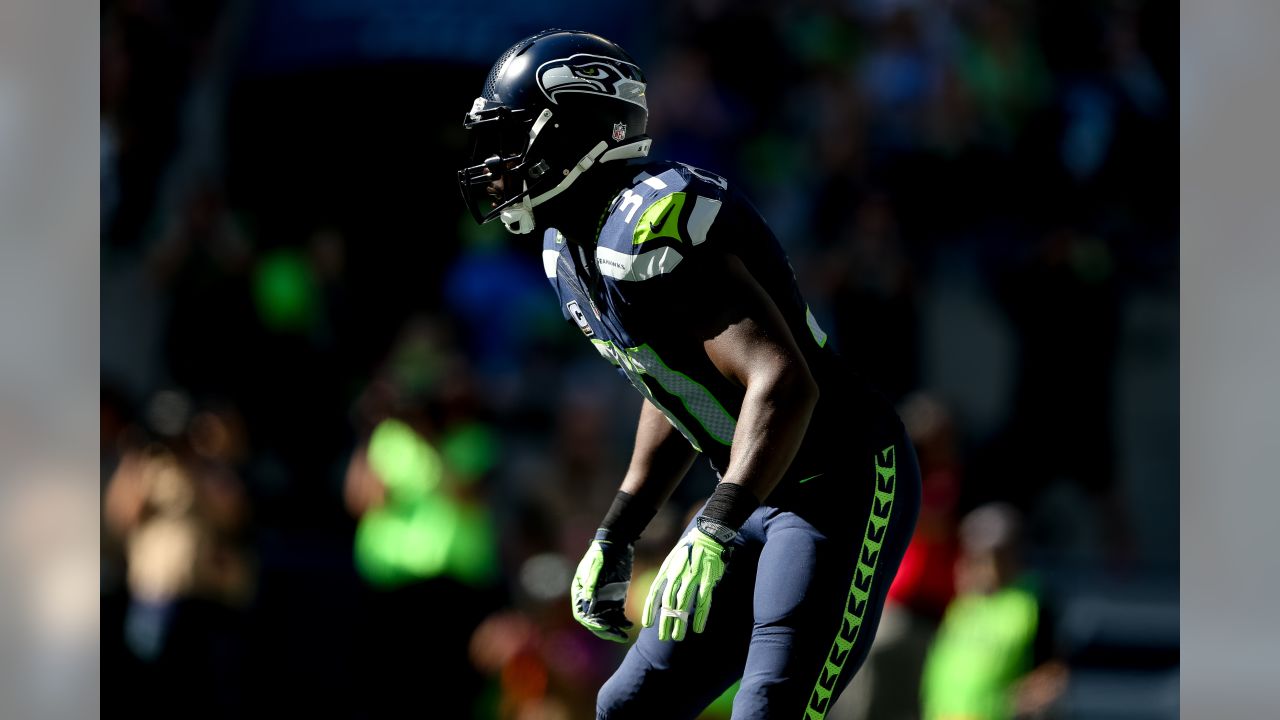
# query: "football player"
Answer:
x=674 y=278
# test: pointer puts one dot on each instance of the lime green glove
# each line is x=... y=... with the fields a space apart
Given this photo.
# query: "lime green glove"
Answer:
x=684 y=585
x=599 y=589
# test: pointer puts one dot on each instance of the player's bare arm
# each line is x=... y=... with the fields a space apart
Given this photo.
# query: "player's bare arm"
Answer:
x=747 y=340
x=660 y=459
x=750 y=344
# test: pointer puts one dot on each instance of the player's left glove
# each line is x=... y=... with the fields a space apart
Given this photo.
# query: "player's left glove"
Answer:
x=685 y=582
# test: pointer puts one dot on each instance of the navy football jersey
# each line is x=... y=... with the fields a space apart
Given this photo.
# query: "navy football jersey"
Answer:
x=631 y=293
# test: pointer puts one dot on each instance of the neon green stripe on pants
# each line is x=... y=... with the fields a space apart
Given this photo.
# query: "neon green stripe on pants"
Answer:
x=859 y=590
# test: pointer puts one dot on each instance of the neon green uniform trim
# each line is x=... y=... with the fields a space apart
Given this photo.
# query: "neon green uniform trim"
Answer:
x=860 y=590
x=697 y=399
x=661 y=219
x=623 y=360
x=637 y=362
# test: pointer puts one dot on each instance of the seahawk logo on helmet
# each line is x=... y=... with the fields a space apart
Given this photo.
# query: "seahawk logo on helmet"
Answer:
x=592 y=74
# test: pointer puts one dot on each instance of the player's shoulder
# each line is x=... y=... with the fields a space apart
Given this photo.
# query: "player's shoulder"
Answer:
x=665 y=211
x=667 y=176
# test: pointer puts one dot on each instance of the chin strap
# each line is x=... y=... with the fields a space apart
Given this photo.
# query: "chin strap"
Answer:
x=518 y=218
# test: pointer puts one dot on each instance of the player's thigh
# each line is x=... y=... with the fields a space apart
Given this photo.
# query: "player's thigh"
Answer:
x=800 y=579
x=819 y=596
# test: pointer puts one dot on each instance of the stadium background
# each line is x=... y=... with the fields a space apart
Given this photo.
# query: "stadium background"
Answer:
x=979 y=198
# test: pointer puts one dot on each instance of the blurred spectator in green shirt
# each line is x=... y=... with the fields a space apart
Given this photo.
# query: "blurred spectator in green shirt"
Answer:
x=991 y=659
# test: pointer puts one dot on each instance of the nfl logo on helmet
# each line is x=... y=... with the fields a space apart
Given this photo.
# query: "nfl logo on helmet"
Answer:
x=619 y=131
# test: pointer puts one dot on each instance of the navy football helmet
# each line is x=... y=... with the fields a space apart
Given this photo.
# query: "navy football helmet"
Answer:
x=554 y=105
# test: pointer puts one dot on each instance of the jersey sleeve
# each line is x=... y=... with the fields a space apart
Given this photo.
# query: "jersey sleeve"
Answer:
x=680 y=250
x=678 y=245
x=668 y=271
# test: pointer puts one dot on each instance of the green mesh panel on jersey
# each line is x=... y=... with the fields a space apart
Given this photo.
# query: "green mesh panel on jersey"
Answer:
x=622 y=360
x=698 y=401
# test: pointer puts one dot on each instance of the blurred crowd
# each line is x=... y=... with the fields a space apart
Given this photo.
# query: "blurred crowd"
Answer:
x=351 y=454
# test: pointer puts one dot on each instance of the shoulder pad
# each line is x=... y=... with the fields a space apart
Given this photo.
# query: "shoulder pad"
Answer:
x=667 y=211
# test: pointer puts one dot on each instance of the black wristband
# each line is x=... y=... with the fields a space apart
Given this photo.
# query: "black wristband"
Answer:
x=730 y=505
x=626 y=519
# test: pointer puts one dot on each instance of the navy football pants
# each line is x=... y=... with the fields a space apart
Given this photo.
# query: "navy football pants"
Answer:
x=798 y=606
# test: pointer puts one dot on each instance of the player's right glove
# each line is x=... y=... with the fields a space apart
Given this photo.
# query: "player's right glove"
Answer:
x=599 y=589
x=680 y=596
